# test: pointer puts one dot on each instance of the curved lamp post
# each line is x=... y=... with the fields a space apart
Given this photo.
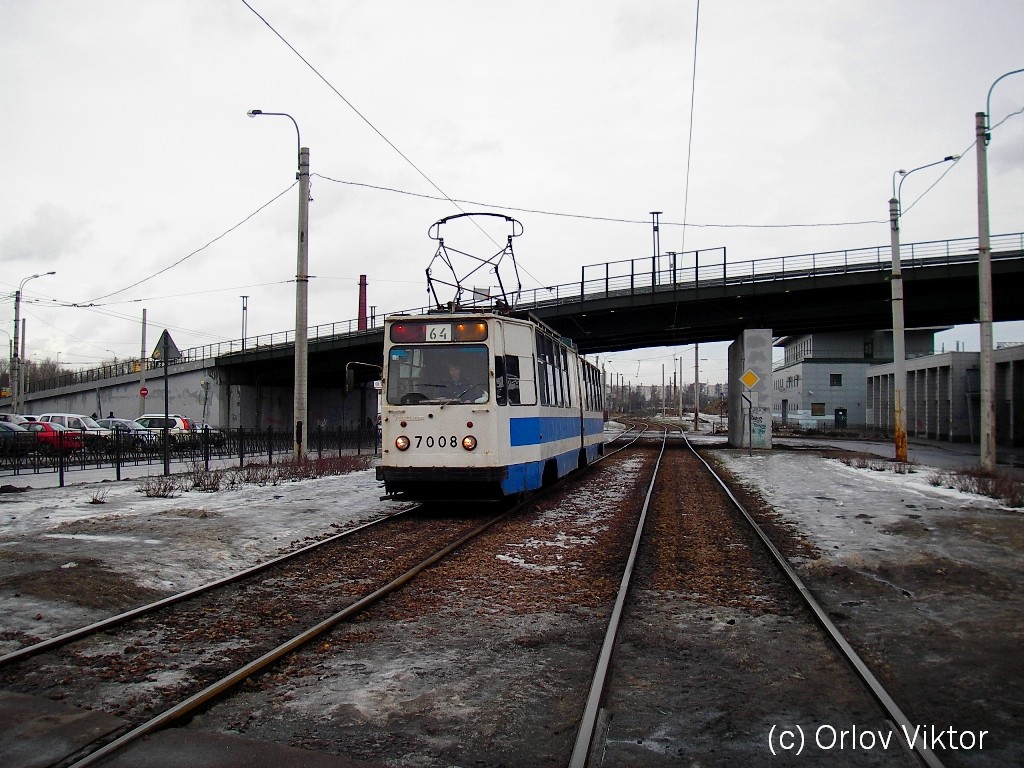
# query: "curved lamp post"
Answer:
x=899 y=355
x=15 y=359
x=987 y=436
x=299 y=402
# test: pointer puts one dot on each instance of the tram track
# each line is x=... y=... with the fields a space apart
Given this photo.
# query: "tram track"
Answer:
x=485 y=655
x=136 y=664
x=202 y=632
x=604 y=741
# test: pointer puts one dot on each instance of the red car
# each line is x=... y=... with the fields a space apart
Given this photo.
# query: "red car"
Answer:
x=55 y=438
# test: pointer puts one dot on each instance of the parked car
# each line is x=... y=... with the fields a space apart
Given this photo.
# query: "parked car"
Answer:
x=130 y=434
x=96 y=437
x=53 y=438
x=200 y=431
x=13 y=418
x=177 y=425
x=15 y=440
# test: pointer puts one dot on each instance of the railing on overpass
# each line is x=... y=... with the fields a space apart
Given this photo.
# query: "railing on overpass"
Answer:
x=649 y=274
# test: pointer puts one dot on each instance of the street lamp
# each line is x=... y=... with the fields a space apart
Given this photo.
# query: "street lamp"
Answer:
x=15 y=359
x=10 y=360
x=899 y=355
x=299 y=402
x=245 y=313
x=987 y=438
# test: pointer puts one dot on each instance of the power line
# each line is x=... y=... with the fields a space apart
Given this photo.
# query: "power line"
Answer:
x=197 y=250
x=689 y=140
x=351 y=106
x=591 y=217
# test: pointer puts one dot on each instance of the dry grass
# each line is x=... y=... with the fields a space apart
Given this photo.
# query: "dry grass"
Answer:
x=213 y=480
x=997 y=485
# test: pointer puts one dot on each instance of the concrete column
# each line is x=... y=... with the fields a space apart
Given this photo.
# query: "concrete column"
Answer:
x=750 y=424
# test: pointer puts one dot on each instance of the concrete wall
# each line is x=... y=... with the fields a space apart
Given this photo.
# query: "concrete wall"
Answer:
x=943 y=396
x=199 y=391
x=750 y=426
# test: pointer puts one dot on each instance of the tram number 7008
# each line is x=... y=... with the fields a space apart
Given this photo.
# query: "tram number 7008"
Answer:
x=419 y=441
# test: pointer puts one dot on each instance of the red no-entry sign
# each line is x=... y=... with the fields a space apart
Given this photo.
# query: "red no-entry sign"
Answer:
x=144 y=391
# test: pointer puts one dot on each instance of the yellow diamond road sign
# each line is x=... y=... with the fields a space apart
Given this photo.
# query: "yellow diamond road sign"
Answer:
x=749 y=379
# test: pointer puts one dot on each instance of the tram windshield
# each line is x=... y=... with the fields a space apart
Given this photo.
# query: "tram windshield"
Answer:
x=444 y=374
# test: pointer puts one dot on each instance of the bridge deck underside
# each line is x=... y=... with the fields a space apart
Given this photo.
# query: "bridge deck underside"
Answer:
x=667 y=315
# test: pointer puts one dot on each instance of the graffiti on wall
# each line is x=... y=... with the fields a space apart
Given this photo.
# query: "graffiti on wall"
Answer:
x=760 y=426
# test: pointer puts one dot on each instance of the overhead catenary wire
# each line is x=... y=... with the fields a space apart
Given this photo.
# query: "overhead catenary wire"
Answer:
x=689 y=139
x=197 y=250
x=963 y=153
x=359 y=114
x=593 y=217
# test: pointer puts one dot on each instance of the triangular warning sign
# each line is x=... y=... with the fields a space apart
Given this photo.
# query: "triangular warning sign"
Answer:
x=166 y=343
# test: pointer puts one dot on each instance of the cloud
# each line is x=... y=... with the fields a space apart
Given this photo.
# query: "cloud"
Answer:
x=46 y=236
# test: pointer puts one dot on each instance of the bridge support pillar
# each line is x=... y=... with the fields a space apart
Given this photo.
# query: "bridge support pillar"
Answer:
x=750 y=389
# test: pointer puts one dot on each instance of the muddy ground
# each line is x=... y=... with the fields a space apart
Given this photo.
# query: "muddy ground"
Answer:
x=922 y=581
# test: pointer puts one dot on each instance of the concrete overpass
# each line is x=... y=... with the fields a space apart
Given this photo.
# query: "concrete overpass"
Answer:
x=672 y=299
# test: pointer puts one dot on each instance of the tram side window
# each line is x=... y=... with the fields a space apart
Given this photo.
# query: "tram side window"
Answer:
x=500 y=388
x=514 y=380
x=563 y=368
x=545 y=370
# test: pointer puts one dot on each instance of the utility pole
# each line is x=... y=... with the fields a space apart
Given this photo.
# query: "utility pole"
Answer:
x=302 y=306
x=696 y=388
x=657 y=247
x=142 y=368
x=899 y=356
x=986 y=437
x=299 y=400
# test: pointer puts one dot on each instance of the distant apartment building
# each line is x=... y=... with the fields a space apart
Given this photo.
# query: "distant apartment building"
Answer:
x=822 y=379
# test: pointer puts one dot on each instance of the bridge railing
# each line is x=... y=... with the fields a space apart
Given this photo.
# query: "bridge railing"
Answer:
x=667 y=272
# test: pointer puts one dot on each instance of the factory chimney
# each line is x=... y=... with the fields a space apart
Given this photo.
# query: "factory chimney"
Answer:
x=362 y=302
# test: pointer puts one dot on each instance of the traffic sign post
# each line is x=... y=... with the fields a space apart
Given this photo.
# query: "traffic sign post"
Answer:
x=165 y=350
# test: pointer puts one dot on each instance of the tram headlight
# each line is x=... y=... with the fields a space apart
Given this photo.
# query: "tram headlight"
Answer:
x=469 y=442
x=402 y=443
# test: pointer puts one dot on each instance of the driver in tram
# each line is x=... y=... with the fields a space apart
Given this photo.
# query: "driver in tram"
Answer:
x=458 y=387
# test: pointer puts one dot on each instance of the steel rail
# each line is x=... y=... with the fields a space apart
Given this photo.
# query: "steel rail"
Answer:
x=122 y=618
x=581 y=749
x=877 y=690
x=253 y=667
x=622 y=447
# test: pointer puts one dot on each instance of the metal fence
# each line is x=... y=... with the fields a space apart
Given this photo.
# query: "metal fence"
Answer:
x=29 y=457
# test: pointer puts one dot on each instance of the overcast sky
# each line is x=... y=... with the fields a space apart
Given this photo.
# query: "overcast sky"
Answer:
x=125 y=146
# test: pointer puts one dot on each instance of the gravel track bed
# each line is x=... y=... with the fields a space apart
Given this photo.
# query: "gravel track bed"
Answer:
x=716 y=647
x=483 y=660
x=143 y=667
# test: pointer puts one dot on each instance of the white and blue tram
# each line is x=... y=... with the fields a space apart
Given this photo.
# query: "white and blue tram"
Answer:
x=483 y=405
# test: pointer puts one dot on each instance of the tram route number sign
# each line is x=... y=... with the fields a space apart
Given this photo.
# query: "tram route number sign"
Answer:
x=439 y=332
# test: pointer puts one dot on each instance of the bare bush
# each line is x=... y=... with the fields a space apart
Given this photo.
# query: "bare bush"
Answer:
x=208 y=481
x=159 y=486
x=997 y=485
